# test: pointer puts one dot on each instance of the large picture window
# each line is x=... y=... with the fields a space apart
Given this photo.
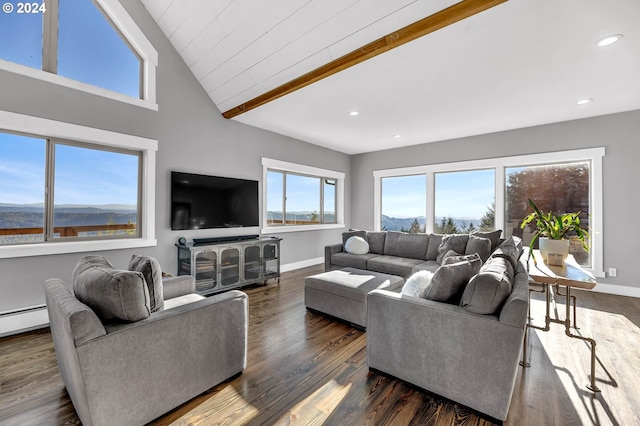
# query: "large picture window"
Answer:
x=493 y=194
x=66 y=188
x=88 y=192
x=299 y=197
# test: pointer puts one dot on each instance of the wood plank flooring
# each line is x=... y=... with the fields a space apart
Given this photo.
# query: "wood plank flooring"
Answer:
x=306 y=369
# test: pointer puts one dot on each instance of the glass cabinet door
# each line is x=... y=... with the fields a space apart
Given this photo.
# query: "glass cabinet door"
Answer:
x=252 y=262
x=271 y=260
x=205 y=270
x=229 y=266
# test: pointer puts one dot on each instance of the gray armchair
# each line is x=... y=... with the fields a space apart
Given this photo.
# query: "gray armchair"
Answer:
x=129 y=372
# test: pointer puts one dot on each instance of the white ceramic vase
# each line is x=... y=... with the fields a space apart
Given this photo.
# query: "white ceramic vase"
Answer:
x=548 y=245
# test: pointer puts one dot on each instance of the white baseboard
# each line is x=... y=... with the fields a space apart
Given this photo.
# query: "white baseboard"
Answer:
x=23 y=320
x=302 y=264
x=618 y=290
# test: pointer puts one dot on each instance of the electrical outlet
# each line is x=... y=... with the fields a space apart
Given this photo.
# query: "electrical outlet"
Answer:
x=613 y=272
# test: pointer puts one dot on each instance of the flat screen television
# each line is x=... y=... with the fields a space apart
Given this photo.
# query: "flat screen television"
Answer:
x=203 y=202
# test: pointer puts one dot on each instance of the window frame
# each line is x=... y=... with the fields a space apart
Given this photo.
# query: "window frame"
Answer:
x=61 y=131
x=593 y=155
x=132 y=35
x=300 y=169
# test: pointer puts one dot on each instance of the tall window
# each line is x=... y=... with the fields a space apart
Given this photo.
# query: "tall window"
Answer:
x=81 y=41
x=298 y=197
x=493 y=193
x=464 y=201
x=404 y=203
x=560 y=188
x=88 y=192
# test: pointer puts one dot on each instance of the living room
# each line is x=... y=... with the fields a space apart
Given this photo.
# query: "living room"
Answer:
x=192 y=136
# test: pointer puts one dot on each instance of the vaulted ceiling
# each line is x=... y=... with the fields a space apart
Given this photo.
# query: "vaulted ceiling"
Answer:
x=517 y=64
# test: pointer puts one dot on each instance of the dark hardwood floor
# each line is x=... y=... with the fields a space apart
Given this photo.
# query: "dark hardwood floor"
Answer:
x=307 y=369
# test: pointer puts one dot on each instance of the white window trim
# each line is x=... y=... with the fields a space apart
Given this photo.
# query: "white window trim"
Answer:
x=45 y=128
x=268 y=163
x=149 y=56
x=594 y=155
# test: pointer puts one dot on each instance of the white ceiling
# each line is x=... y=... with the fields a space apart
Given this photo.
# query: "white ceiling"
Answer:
x=519 y=64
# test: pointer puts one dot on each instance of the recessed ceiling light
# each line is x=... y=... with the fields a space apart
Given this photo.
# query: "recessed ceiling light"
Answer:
x=397 y=136
x=609 y=40
x=584 y=101
x=354 y=113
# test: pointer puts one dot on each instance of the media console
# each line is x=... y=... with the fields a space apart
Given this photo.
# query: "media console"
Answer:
x=230 y=262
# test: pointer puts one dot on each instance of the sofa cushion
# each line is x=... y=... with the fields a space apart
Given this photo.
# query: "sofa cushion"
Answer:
x=455 y=242
x=376 y=241
x=434 y=243
x=356 y=245
x=394 y=265
x=352 y=283
x=511 y=249
x=344 y=259
x=449 y=281
x=111 y=293
x=493 y=236
x=402 y=244
x=150 y=269
x=487 y=291
x=479 y=245
x=416 y=285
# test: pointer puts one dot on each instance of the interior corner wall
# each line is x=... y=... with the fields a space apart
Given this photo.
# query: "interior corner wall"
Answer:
x=192 y=137
x=618 y=133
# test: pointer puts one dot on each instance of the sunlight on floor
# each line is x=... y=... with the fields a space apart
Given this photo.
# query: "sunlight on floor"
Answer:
x=318 y=406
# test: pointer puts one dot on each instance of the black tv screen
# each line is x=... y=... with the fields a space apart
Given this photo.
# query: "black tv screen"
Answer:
x=202 y=202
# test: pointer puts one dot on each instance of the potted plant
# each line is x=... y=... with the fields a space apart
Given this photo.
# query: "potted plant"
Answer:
x=552 y=229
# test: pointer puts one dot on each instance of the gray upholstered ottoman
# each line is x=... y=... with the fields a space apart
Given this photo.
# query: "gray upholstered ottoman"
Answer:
x=343 y=293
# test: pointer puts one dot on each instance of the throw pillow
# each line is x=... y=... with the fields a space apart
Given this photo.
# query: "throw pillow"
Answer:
x=150 y=269
x=511 y=249
x=449 y=281
x=479 y=245
x=356 y=245
x=416 y=284
x=114 y=295
x=488 y=290
x=352 y=233
x=493 y=236
x=455 y=242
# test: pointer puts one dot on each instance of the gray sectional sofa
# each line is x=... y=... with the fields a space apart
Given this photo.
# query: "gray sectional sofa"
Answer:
x=402 y=254
x=465 y=348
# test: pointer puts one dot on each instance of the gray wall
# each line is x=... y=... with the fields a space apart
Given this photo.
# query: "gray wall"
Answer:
x=618 y=133
x=192 y=136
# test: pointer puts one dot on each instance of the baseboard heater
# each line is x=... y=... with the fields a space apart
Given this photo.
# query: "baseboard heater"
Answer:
x=23 y=319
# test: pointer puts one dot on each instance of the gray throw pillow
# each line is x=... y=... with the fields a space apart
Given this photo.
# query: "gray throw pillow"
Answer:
x=479 y=245
x=488 y=290
x=416 y=285
x=493 y=236
x=449 y=281
x=114 y=295
x=455 y=242
x=511 y=249
x=150 y=269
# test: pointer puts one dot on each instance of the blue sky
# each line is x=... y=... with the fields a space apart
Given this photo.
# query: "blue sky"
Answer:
x=91 y=51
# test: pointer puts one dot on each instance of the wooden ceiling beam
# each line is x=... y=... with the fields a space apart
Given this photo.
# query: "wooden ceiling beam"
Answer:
x=438 y=20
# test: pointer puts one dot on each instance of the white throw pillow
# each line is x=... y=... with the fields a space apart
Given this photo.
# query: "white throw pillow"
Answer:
x=416 y=285
x=356 y=245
